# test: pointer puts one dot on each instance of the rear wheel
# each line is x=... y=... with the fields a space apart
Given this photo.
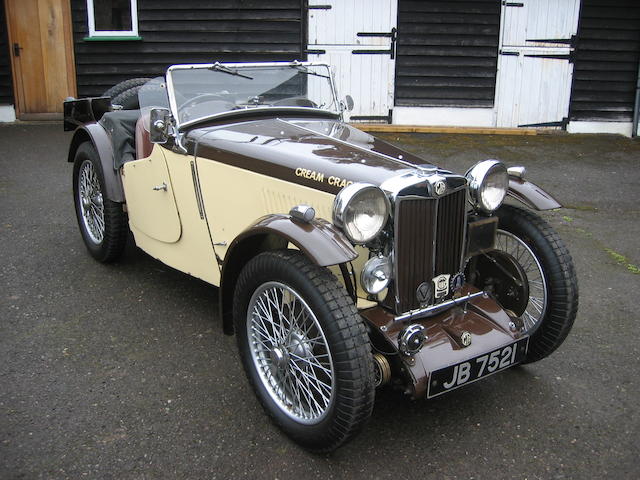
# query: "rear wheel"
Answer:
x=531 y=273
x=102 y=223
x=304 y=348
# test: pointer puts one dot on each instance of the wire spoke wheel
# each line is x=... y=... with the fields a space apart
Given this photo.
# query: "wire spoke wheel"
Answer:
x=290 y=352
x=304 y=348
x=536 y=305
x=91 y=202
x=102 y=222
x=531 y=273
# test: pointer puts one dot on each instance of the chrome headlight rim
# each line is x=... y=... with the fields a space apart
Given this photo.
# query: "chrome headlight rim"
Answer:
x=344 y=199
x=477 y=177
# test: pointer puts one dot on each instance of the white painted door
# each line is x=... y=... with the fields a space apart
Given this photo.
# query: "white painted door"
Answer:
x=533 y=87
x=357 y=38
x=538 y=21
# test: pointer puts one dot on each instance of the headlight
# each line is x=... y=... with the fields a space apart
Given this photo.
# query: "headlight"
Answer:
x=361 y=210
x=488 y=184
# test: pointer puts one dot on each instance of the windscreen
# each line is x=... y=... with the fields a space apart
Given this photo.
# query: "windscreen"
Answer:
x=202 y=92
x=153 y=94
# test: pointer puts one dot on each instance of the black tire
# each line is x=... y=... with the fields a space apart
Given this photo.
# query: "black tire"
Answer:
x=108 y=246
x=118 y=88
x=128 y=99
x=347 y=345
x=558 y=278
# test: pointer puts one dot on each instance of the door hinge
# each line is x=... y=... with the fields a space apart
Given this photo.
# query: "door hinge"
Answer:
x=560 y=56
x=394 y=42
x=16 y=49
x=385 y=118
x=393 y=35
x=373 y=52
x=562 y=124
x=319 y=7
x=196 y=185
x=502 y=52
x=376 y=34
x=315 y=52
x=561 y=41
x=513 y=4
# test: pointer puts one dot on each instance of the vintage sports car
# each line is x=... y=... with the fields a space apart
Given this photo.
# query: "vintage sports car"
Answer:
x=342 y=262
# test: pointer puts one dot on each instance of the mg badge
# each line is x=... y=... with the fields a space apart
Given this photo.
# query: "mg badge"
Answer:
x=441 y=285
x=465 y=338
x=440 y=187
x=424 y=293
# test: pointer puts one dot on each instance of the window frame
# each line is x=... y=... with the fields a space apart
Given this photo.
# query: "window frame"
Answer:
x=93 y=33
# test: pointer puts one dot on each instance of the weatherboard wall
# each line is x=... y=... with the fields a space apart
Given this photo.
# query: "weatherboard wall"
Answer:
x=188 y=31
x=606 y=61
x=447 y=53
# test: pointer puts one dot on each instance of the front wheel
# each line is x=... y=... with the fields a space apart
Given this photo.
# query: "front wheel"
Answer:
x=531 y=273
x=304 y=348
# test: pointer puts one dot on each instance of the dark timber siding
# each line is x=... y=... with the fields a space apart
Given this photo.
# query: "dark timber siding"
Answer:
x=606 y=63
x=6 y=85
x=188 y=31
x=447 y=52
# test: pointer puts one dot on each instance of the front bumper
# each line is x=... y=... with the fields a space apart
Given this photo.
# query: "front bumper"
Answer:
x=482 y=317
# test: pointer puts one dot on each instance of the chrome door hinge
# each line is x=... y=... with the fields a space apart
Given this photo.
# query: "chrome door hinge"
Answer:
x=196 y=187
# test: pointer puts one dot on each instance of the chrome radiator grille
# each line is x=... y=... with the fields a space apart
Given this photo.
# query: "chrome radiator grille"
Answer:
x=429 y=238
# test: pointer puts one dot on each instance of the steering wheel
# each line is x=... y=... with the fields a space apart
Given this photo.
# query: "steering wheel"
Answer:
x=295 y=102
x=192 y=102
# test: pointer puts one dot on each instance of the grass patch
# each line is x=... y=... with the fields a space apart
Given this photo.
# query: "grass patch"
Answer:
x=622 y=260
x=617 y=257
x=581 y=208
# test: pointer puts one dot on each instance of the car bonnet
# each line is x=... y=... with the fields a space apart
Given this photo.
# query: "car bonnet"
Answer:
x=322 y=154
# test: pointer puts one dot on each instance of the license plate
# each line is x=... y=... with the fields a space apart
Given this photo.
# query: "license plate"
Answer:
x=464 y=373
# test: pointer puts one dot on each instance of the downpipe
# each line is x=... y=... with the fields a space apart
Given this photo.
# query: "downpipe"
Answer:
x=636 y=109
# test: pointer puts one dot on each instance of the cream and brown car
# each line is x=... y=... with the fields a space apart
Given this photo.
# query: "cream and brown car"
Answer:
x=342 y=263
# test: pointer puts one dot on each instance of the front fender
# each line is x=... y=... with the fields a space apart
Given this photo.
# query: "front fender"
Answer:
x=319 y=240
x=94 y=133
x=531 y=195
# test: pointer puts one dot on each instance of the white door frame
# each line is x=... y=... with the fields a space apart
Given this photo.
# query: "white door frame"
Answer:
x=548 y=52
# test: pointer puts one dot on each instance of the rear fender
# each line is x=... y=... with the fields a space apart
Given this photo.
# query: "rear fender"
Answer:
x=94 y=133
x=319 y=240
x=531 y=195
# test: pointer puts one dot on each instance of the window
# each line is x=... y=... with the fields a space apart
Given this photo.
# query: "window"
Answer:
x=112 y=18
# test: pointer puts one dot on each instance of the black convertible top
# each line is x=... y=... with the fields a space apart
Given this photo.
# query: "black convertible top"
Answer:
x=121 y=127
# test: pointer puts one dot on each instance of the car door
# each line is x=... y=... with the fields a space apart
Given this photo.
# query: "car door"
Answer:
x=150 y=198
x=166 y=214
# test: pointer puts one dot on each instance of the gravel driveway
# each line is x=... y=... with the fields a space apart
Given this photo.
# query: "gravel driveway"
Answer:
x=121 y=371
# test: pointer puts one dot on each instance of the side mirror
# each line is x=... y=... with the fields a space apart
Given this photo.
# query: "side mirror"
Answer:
x=346 y=104
x=159 y=125
x=349 y=102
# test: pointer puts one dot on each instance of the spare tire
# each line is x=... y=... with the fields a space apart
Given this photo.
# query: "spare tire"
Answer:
x=128 y=99
x=118 y=88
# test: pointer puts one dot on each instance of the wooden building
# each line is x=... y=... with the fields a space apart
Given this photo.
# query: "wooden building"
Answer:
x=569 y=64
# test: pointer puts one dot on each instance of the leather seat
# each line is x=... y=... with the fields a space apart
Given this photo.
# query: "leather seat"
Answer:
x=143 y=141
